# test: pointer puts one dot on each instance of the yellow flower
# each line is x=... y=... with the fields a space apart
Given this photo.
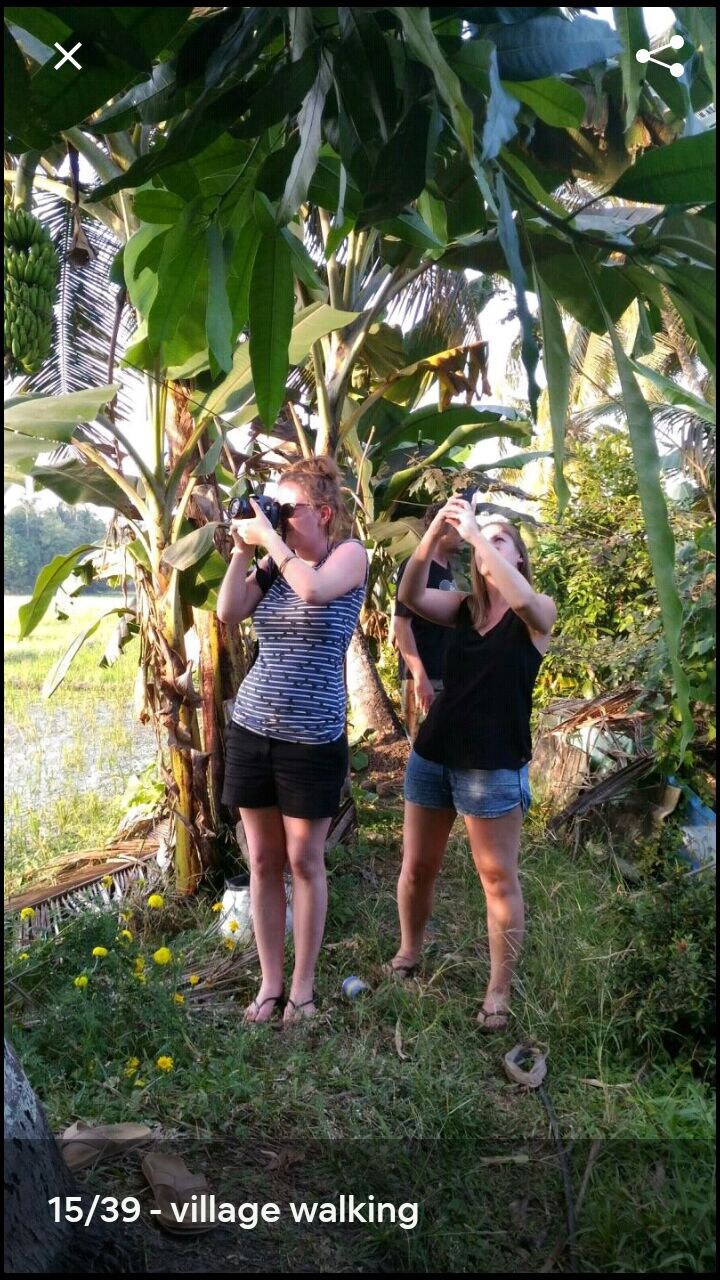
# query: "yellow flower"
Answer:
x=229 y=944
x=27 y=913
x=125 y=915
x=138 y=964
x=178 y=998
x=193 y=979
x=163 y=955
x=233 y=926
x=216 y=906
x=25 y=955
x=125 y=935
x=100 y=952
x=165 y=1064
x=131 y=1066
x=140 y=977
x=139 y=1084
x=106 y=882
x=156 y=901
x=80 y=981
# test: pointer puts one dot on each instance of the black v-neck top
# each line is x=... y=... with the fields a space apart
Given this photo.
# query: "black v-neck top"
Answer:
x=481 y=719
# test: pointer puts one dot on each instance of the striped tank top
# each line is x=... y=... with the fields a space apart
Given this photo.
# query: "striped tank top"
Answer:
x=295 y=691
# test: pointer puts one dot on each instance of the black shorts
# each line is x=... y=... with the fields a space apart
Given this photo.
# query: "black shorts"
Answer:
x=301 y=779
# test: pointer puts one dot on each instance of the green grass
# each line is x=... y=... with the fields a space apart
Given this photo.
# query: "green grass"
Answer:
x=404 y=1063
x=396 y=1091
x=67 y=758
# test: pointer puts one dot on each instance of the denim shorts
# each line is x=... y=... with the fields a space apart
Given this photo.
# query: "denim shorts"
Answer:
x=473 y=793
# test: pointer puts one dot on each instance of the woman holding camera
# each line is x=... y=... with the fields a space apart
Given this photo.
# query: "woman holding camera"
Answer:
x=287 y=752
x=471 y=754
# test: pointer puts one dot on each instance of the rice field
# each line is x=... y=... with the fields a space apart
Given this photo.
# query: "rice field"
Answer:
x=67 y=758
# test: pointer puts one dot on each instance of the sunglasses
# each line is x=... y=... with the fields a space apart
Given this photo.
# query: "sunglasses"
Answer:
x=288 y=509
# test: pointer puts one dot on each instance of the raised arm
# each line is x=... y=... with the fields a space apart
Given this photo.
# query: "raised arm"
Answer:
x=240 y=592
x=437 y=606
x=537 y=611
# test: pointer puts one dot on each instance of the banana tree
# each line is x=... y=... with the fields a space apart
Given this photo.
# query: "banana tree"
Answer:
x=223 y=140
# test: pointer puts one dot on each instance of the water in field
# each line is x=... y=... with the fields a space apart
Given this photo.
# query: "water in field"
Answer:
x=67 y=759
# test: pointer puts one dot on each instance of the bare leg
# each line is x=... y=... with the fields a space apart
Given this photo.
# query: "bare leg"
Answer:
x=305 y=842
x=495 y=843
x=265 y=836
x=425 y=837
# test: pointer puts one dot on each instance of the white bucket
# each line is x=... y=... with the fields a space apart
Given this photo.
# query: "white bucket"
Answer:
x=236 y=916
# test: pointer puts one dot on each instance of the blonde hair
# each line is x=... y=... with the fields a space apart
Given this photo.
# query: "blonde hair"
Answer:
x=479 y=600
x=319 y=479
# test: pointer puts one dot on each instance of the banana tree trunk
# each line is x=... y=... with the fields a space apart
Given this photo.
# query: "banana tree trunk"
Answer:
x=223 y=665
x=370 y=707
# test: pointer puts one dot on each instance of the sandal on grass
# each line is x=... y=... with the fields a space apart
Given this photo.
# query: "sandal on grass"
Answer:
x=302 y=1005
x=402 y=972
x=173 y=1186
x=84 y=1144
x=484 y=1016
x=258 y=1005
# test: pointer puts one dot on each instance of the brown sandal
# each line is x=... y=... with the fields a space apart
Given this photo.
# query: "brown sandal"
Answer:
x=482 y=1019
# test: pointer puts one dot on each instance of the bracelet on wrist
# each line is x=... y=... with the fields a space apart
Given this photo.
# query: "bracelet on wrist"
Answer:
x=289 y=557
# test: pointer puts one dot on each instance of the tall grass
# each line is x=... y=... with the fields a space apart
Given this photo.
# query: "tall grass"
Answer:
x=67 y=758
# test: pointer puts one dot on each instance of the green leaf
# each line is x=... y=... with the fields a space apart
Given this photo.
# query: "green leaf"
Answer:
x=141 y=264
x=630 y=26
x=557 y=373
x=675 y=394
x=65 y=97
x=184 y=256
x=410 y=228
x=661 y=543
x=553 y=101
x=200 y=584
x=271 y=319
x=700 y=24
x=155 y=100
x=430 y=424
x=75 y=482
x=303 y=265
x=240 y=274
x=208 y=464
x=423 y=44
x=359 y=760
x=48 y=580
x=19 y=113
x=399 y=171
x=306 y=157
x=281 y=95
x=549 y=46
x=57 y=674
x=682 y=173
x=513 y=461
x=509 y=160
x=48 y=415
x=156 y=205
x=508 y=236
x=469 y=433
x=313 y=323
x=218 y=320
x=188 y=550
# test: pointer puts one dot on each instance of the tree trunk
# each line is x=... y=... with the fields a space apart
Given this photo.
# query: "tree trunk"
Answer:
x=370 y=707
x=222 y=667
x=34 y=1173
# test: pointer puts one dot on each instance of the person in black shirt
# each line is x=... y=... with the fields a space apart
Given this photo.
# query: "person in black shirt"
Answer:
x=471 y=754
x=420 y=643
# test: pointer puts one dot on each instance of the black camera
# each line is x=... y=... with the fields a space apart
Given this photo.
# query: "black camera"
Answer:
x=468 y=494
x=240 y=509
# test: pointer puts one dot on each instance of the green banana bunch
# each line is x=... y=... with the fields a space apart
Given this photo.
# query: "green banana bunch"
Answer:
x=30 y=268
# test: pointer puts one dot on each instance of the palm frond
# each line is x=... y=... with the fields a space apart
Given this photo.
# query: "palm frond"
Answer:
x=85 y=313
